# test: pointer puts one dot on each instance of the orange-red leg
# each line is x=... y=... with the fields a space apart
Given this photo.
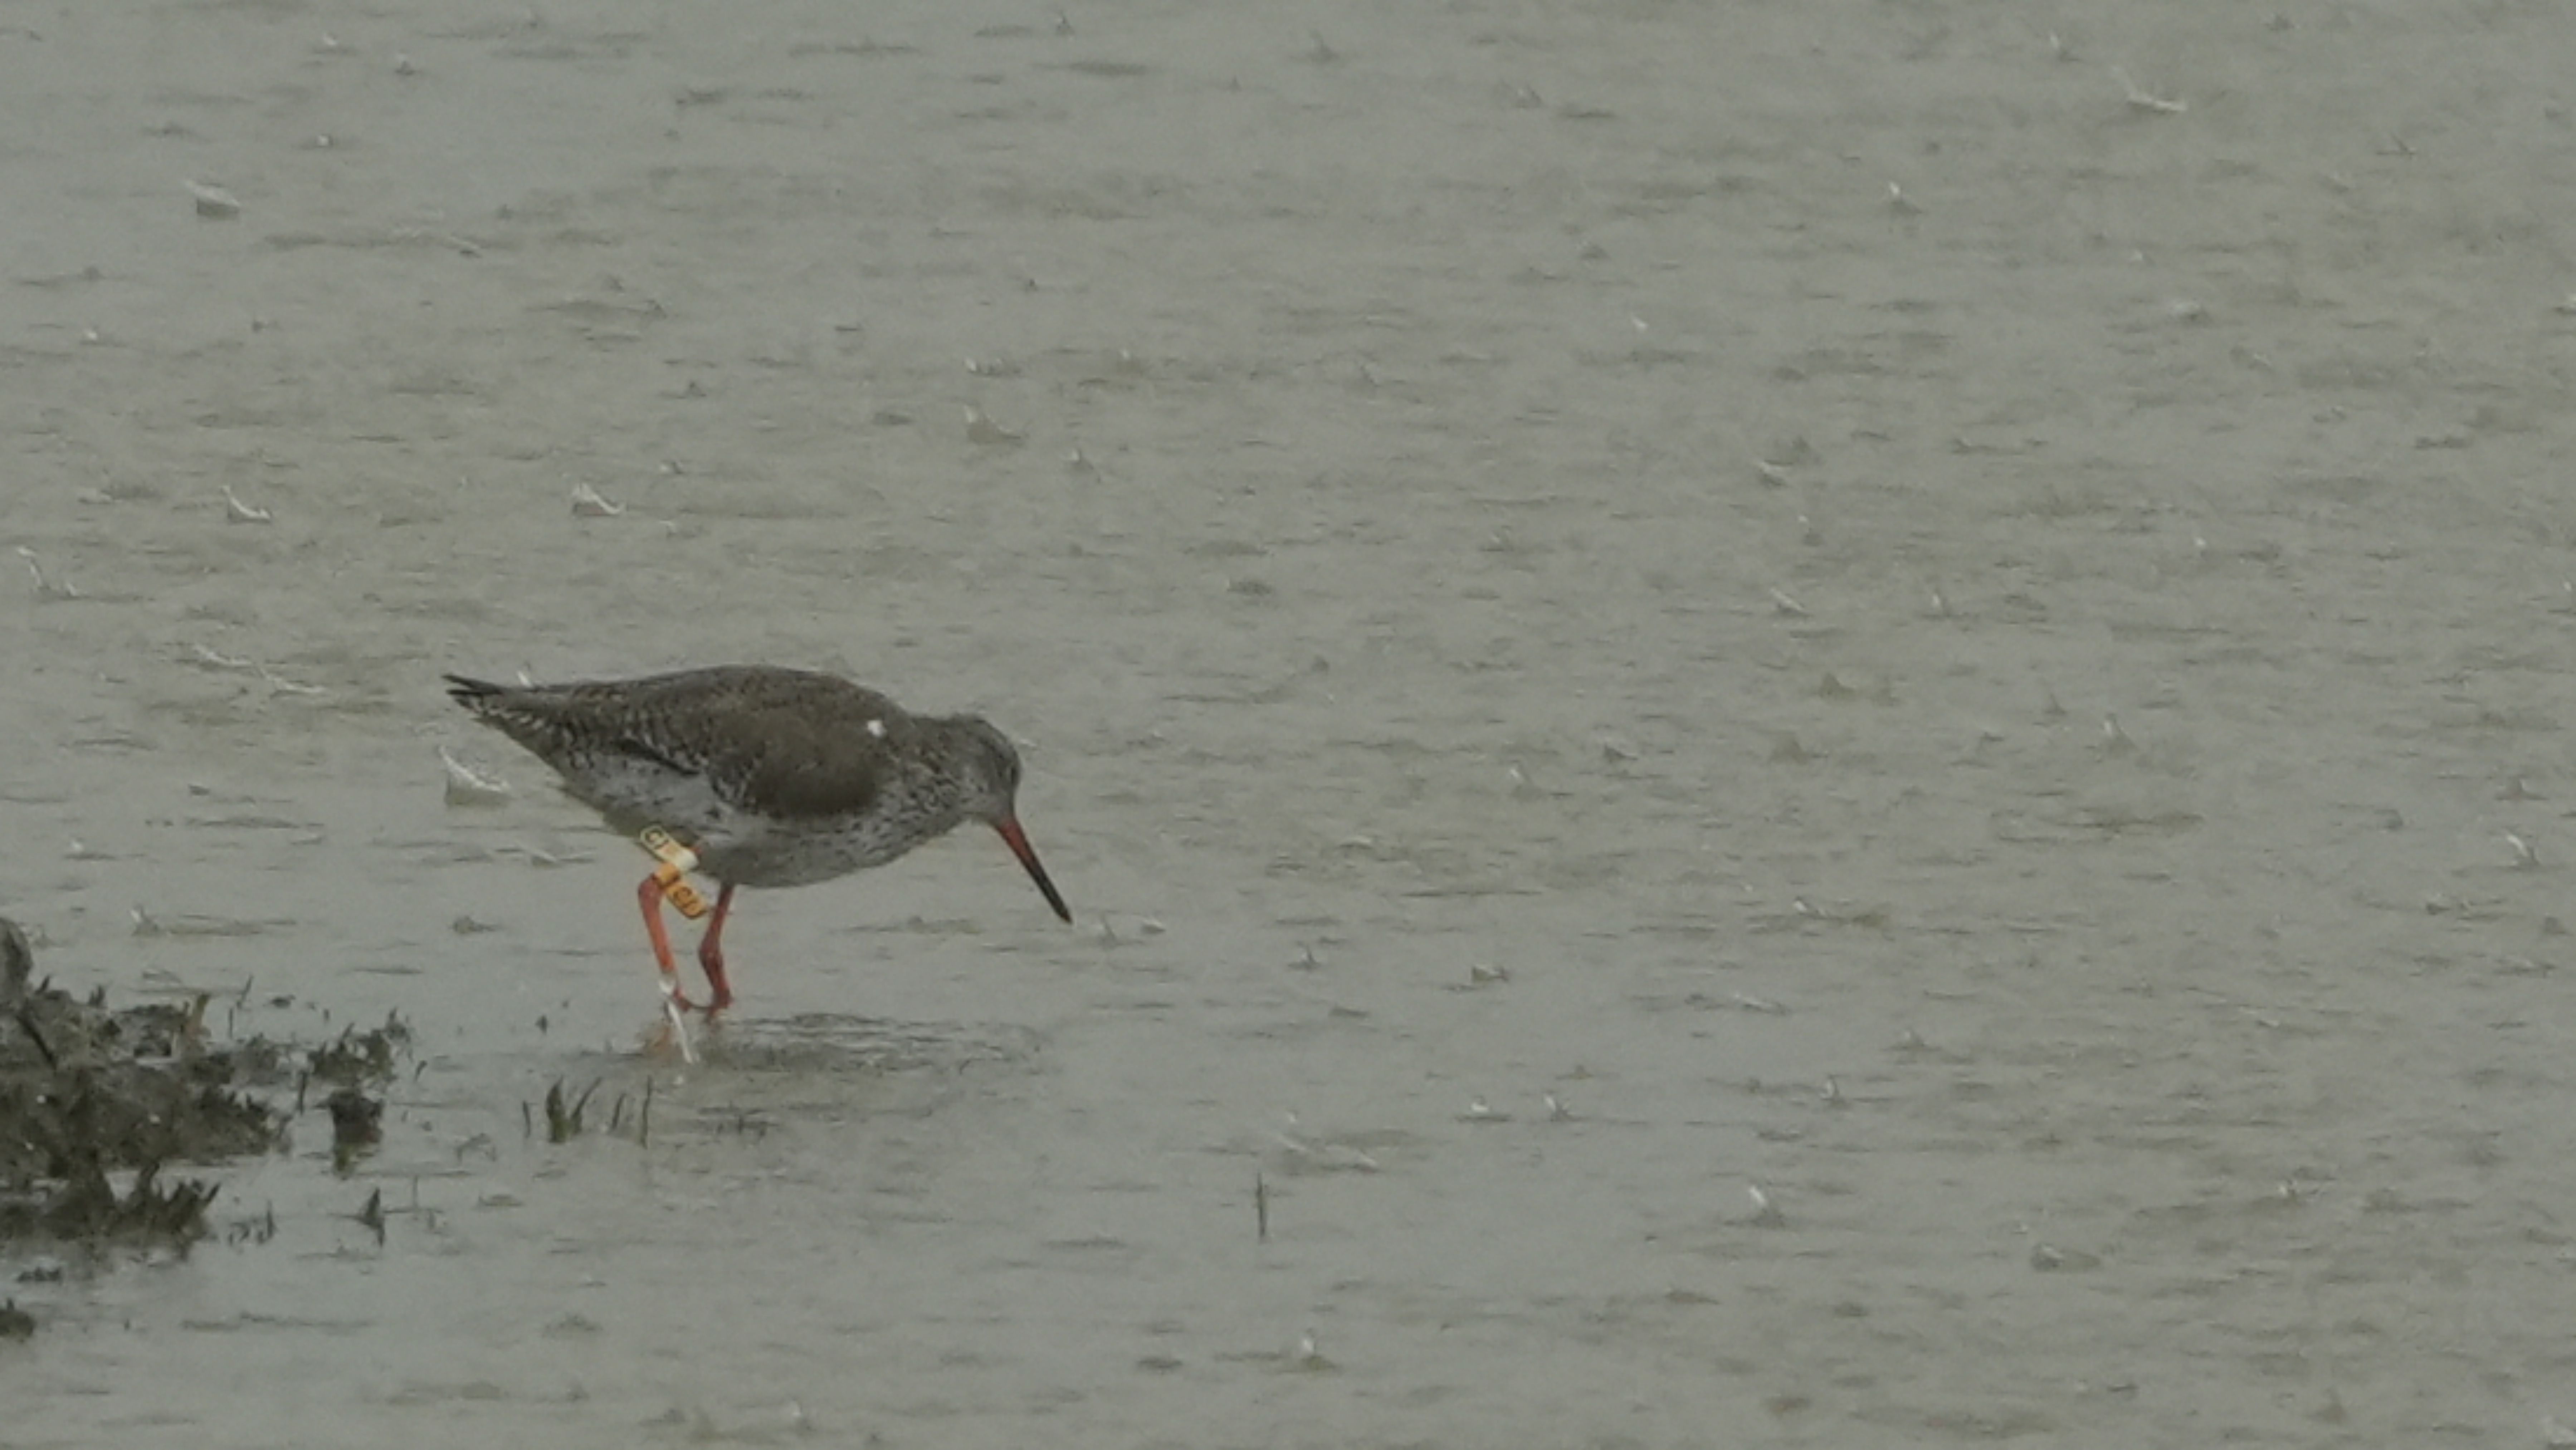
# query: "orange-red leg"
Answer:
x=711 y=954
x=650 y=895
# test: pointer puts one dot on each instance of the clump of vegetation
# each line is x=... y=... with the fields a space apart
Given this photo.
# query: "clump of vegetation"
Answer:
x=97 y=1102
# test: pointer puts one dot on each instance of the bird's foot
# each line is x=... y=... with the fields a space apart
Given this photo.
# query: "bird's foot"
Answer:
x=719 y=987
x=682 y=1002
x=674 y=1031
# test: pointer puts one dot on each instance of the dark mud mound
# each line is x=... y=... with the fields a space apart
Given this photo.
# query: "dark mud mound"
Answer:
x=92 y=1097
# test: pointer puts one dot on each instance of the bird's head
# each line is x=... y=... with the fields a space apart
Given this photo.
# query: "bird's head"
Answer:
x=988 y=779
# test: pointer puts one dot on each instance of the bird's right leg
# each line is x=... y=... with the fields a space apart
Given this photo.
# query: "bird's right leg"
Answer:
x=650 y=896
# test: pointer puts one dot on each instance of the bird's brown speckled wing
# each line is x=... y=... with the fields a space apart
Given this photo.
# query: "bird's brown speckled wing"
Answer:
x=788 y=744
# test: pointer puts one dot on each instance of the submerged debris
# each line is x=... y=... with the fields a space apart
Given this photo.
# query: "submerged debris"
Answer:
x=361 y=1056
x=563 y=1115
x=357 y=1126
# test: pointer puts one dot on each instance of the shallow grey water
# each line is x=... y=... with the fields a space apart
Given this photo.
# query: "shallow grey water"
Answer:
x=1997 y=714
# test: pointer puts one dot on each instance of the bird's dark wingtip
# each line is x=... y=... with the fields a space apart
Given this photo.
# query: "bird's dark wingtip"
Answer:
x=468 y=691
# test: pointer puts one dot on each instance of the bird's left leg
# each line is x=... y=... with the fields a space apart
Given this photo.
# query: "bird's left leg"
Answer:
x=711 y=954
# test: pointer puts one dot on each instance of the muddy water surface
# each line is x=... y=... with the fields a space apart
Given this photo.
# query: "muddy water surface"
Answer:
x=1981 y=661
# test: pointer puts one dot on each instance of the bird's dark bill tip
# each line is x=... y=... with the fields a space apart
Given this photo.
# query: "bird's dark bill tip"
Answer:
x=1018 y=841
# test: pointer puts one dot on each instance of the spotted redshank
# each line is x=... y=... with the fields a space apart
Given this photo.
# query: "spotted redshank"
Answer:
x=771 y=777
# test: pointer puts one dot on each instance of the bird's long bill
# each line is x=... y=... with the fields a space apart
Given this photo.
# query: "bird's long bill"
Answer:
x=1018 y=841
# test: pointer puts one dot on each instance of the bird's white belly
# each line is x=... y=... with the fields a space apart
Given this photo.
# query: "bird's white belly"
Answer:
x=743 y=847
